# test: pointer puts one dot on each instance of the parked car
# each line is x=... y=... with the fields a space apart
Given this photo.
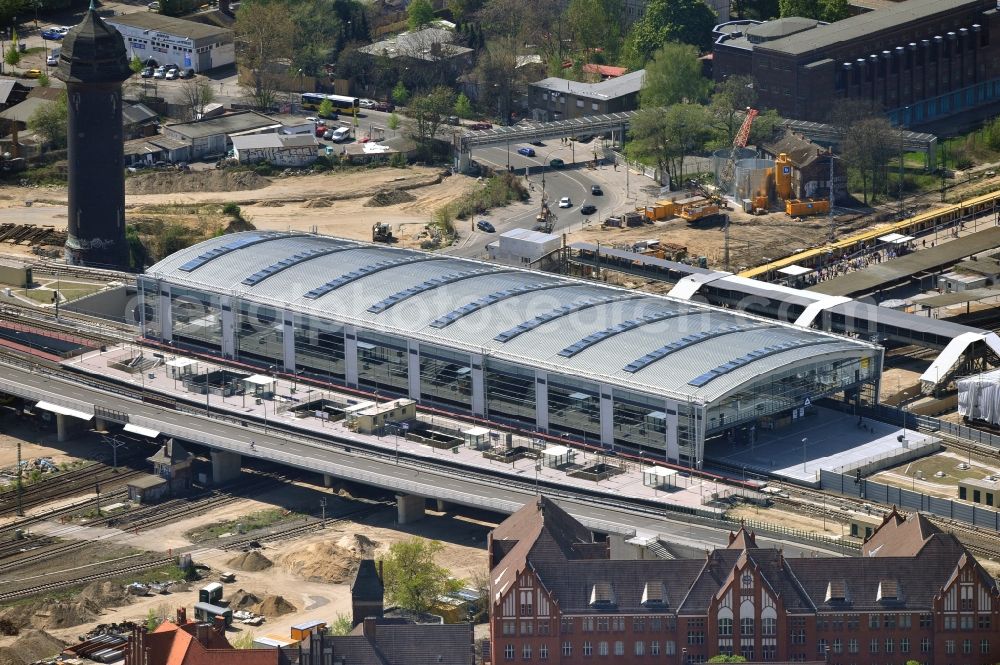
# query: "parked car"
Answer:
x=320 y=130
x=557 y=163
x=340 y=134
x=172 y=67
x=367 y=103
x=154 y=6
x=160 y=72
x=53 y=59
x=32 y=73
x=452 y=120
x=588 y=209
x=52 y=33
x=596 y=190
x=565 y=202
x=147 y=72
x=527 y=152
x=476 y=126
x=484 y=225
x=187 y=73
x=387 y=107
x=172 y=74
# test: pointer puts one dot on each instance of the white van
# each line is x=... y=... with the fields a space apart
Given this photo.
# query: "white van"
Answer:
x=53 y=59
x=340 y=134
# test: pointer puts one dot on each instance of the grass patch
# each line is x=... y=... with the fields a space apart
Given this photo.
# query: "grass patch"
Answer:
x=498 y=191
x=251 y=522
x=41 y=294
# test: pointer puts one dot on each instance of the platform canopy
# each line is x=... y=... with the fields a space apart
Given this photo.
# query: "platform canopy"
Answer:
x=795 y=270
x=63 y=411
x=181 y=362
x=476 y=431
x=141 y=431
x=895 y=239
x=555 y=451
x=259 y=380
x=660 y=472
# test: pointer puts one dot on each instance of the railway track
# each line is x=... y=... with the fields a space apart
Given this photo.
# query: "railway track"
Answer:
x=117 y=571
x=296 y=530
x=63 y=485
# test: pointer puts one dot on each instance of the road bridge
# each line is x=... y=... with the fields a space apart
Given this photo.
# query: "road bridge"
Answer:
x=230 y=439
x=538 y=131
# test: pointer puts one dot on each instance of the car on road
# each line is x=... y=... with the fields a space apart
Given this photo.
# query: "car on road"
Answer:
x=32 y=73
x=538 y=144
x=147 y=72
x=596 y=190
x=53 y=58
x=187 y=73
x=52 y=33
x=367 y=103
x=484 y=225
x=172 y=74
x=527 y=152
x=588 y=209
x=386 y=107
x=557 y=163
x=565 y=202
x=153 y=6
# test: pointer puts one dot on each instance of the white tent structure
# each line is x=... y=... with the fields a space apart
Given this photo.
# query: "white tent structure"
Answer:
x=979 y=397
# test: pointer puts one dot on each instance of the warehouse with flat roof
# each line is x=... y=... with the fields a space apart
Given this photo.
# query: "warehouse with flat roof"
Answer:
x=175 y=41
x=590 y=362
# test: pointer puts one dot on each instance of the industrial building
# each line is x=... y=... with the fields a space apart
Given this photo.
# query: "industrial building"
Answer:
x=914 y=594
x=919 y=60
x=175 y=41
x=556 y=98
x=566 y=357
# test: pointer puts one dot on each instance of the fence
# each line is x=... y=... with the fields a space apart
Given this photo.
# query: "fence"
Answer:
x=910 y=499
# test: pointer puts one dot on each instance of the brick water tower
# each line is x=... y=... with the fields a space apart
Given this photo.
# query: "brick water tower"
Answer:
x=93 y=63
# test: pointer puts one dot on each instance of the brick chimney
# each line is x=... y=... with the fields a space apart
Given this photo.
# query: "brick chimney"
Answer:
x=182 y=616
x=368 y=628
x=219 y=623
x=202 y=633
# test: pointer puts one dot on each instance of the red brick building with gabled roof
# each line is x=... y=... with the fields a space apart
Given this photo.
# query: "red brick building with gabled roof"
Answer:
x=191 y=643
x=914 y=594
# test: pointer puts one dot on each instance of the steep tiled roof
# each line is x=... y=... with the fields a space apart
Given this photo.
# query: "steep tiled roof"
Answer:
x=170 y=453
x=407 y=644
x=367 y=585
x=900 y=536
x=742 y=539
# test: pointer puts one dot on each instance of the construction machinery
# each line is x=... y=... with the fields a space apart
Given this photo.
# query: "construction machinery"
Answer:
x=382 y=232
x=545 y=220
x=739 y=142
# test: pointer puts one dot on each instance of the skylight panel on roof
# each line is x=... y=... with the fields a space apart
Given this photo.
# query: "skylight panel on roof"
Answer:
x=753 y=356
x=688 y=340
x=558 y=312
x=491 y=299
x=290 y=261
x=429 y=285
x=617 y=329
x=232 y=246
x=364 y=271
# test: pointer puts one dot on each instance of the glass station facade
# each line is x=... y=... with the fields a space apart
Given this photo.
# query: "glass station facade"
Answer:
x=500 y=390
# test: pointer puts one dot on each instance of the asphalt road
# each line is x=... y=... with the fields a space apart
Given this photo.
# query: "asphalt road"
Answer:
x=688 y=535
x=573 y=181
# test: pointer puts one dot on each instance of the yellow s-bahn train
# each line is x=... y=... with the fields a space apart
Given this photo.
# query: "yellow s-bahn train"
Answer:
x=819 y=256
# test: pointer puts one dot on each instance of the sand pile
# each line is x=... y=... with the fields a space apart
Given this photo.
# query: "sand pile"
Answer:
x=31 y=646
x=242 y=600
x=271 y=204
x=326 y=561
x=274 y=606
x=318 y=203
x=389 y=198
x=86 y=606
x=252 y=561
x=170 y=182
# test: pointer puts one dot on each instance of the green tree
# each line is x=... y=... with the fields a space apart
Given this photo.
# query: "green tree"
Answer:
x=49 y=121
x=730 y=101
x=666 y=136
x=673 y=76
x=595 y=23
x=419 y=13
x=152 y=621
x=688 y=21
x=13 y=54
x=400 y=94
x=43 y=80
x=317 y=37
x=393 y=121
x=836 y=10
x=803 y=8
x=264 y=35
x=243 y=641
x=765 y=127
x=463 y=107
x=429 y=111
x=412 y=579
x=722 y=658
x=325 y=109
x=869 y=145
x=135 y=64
x=11 y=8
x=342 y=625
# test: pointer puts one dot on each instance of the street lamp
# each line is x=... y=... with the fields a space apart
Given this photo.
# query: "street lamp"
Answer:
x=902 y=404
x=804 y=440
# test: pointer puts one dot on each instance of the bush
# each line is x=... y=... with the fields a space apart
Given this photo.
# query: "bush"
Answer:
x=264 y=169
x=961 y=159
x=231 y=209
x=398 y=160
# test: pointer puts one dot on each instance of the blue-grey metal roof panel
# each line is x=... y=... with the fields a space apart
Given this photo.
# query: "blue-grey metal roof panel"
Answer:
x=361 y=300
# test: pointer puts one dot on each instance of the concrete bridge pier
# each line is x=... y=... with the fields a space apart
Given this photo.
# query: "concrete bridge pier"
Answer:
x=442 y=507
x=100 y=425
x=226 y=466
x=67 y=427
x=409 y=508
x=327 y=480
x=464 y=161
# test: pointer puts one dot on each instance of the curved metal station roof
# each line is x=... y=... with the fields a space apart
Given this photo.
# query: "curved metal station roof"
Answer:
x=617 y=336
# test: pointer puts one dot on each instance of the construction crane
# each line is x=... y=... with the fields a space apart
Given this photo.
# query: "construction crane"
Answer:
x=740 y=142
